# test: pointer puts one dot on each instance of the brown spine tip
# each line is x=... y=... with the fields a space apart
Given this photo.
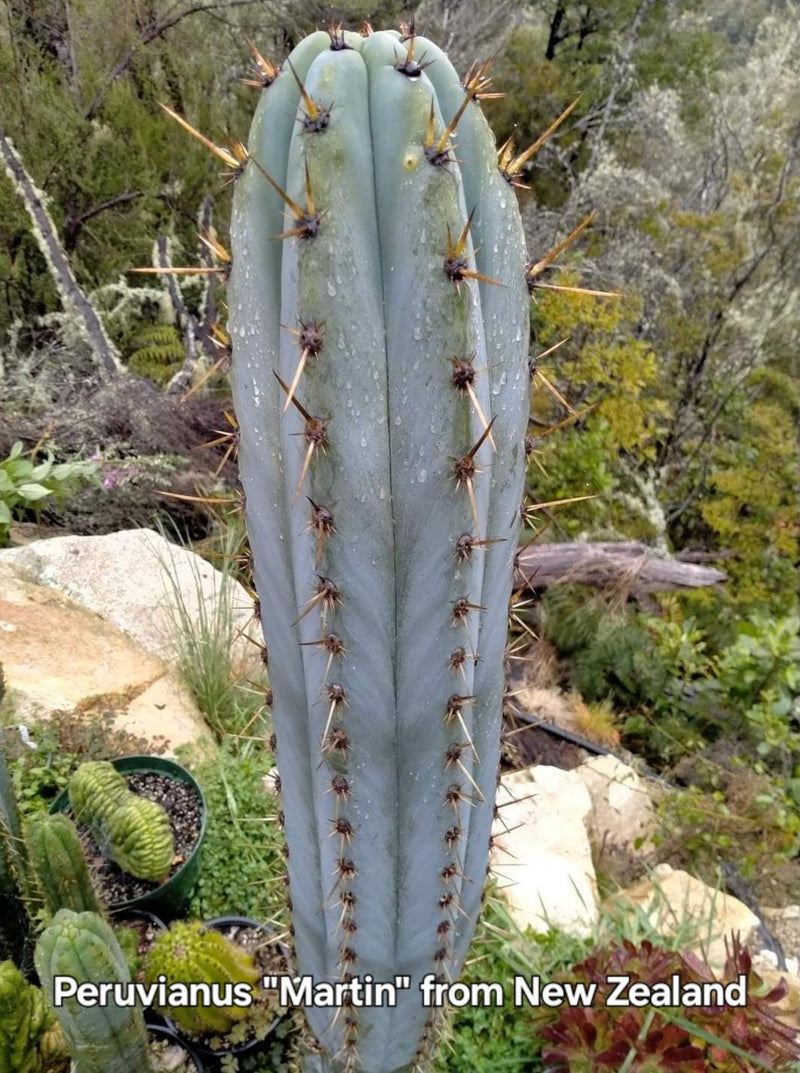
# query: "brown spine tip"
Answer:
x=457 y=658
x=337 y=740
x=336 y=34
x=452 y=835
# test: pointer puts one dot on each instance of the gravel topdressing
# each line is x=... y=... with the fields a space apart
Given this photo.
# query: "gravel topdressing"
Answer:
x=182 y=806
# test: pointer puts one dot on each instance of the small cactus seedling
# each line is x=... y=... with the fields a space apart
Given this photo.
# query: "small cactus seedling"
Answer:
x=59 y=866
x=107 y=1038
x=31 y=1040
x=379 y=321
x=190 y=953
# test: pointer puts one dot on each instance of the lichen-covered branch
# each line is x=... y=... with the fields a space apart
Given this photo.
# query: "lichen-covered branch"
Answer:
x=72 y=296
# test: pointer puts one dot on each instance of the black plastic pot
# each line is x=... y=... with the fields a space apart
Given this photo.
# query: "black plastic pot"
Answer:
x=170 y=898
x=124 y=916
x=252 y=1046
x=163 y=1031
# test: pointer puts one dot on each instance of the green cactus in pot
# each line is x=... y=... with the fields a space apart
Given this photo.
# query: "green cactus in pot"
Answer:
x=102 y=1038
x=31 y=1040
x=190 y=953
x=59 y=865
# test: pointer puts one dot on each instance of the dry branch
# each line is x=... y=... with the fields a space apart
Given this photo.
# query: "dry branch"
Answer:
x=611 y=565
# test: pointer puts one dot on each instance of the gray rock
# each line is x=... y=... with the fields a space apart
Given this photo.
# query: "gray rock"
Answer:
x=140 y=582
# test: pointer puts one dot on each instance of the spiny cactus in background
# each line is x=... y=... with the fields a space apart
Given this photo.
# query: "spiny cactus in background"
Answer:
x=192 y=953
x=59 y=865
x=31 y=1040
x=96 y=788
x=135 y=830
x=379 y=319
x=101 y=1039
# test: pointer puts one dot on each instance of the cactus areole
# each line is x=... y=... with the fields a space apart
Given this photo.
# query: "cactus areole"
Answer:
x=379 y=320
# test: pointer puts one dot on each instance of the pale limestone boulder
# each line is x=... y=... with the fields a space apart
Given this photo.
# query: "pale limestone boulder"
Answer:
x=137 y=580
x=622 y=809
x=541 y=850
x=59 y=657
x=675 y=901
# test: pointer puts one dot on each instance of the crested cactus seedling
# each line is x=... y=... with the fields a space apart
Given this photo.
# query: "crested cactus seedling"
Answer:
x=31 y=1040
x=96 y=788
x=139 y=838
x=136 y=831
x=59 y=865
x=191 y=953
x=107 y=1038
x=379 y=319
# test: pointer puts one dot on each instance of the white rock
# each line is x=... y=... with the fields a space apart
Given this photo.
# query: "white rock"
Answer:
x=58 y=657
x=677 y=902
x=622 y=810
x=546 y=860
x=765 y=959
x=137 y=580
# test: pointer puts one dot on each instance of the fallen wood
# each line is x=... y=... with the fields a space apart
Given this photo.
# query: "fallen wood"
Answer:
x=624 y=564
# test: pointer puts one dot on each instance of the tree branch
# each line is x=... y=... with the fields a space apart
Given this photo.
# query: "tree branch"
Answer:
x=74 y=224
x=610 y=565
x=150 y=33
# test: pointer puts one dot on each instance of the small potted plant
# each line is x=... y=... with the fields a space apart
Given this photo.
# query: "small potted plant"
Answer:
x=142 y=821
x=109 y=1036
x=226 y=951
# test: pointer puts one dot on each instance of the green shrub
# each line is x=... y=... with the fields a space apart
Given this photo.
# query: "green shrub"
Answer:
x=25 y=485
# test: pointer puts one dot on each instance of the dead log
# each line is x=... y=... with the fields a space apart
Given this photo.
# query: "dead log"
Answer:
x=619 y=565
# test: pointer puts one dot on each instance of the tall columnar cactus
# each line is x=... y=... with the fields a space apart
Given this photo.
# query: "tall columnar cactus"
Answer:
x=106 y=1038
x=192 y=953
x=59 y=865
x=379 y=320
x=136 y=830
x=31 y=1040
